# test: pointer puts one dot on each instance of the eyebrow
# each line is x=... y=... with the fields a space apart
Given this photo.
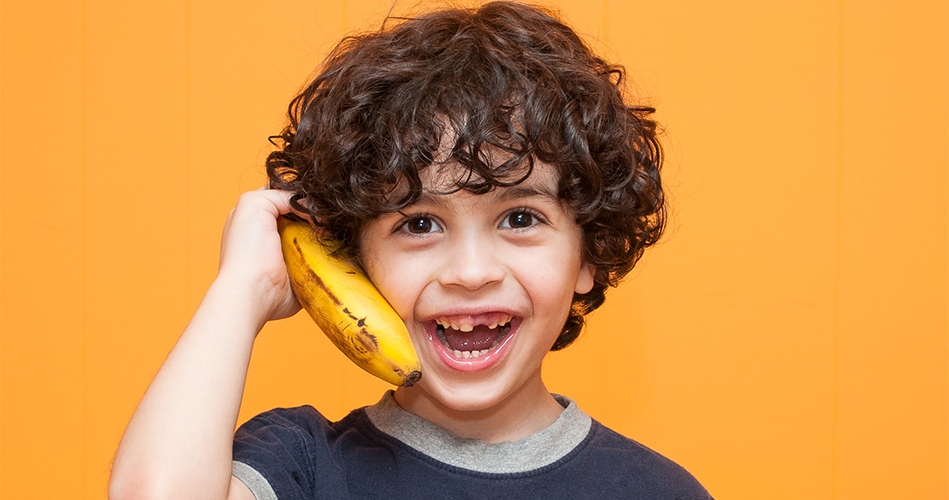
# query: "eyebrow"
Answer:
x=521 y=191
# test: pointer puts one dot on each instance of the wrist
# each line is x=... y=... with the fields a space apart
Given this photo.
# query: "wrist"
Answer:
x=239 y=303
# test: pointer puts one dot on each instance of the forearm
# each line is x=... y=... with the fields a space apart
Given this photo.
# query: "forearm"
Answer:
x=178 y=443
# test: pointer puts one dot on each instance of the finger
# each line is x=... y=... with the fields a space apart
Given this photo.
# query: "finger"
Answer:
x=275 y=201
x=280 y=199
x=303 y=214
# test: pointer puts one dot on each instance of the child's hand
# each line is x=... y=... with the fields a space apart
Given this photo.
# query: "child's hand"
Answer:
x=251 y=257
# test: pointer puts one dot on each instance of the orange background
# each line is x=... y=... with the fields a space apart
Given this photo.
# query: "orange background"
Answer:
x=787 y=340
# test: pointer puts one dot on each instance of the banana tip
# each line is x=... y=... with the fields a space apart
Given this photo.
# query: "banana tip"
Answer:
x=412 y=378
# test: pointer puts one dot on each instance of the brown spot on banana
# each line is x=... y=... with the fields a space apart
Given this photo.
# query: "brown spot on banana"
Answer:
x=368 y=340
x=315 y=278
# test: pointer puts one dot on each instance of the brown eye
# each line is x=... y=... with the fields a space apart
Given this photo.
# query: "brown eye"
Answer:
x=518 y=220
x=421 y=225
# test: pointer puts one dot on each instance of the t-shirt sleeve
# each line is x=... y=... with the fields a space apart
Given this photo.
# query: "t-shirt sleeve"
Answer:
x=255 y=481
x=277 y=453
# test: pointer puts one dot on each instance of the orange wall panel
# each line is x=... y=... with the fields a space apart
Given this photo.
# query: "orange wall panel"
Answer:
x=43 y=424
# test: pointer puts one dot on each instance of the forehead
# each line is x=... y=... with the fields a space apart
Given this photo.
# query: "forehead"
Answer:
x=449 y=180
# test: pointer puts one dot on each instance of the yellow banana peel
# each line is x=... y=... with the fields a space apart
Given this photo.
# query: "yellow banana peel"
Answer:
x=348 y=307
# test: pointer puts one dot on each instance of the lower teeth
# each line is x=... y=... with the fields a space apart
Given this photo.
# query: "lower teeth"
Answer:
x=440 y=331
x=471 y=354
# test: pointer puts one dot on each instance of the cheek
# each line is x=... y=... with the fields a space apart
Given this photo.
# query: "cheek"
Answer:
x=550 y=279
x=399 y=280
x=386 y=269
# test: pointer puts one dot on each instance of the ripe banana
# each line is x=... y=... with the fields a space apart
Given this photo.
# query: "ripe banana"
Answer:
x=348 y=307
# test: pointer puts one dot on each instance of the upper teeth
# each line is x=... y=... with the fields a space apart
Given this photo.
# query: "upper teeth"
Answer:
x=467 y=326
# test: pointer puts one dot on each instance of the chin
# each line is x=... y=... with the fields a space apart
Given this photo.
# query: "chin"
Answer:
x=471 y=401
x=461 y=396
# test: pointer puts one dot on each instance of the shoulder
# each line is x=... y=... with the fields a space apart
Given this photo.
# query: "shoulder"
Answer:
x=293 y=428
x=282 y=449
x=632 y=466
x=303 y=422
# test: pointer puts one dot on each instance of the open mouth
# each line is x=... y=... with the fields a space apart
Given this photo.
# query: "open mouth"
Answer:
x=470 y=337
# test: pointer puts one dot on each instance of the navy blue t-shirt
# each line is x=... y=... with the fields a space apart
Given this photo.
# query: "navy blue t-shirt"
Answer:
x=298 y=454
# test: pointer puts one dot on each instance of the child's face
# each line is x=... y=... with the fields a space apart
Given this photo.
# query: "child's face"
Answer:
x=503 y=265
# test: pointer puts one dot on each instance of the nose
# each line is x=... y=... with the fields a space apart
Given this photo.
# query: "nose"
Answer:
x=471 y=263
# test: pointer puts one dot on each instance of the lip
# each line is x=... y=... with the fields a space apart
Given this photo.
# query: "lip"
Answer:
x=480 y=363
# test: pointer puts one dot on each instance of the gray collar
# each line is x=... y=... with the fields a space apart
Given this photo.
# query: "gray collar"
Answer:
x=532 y=452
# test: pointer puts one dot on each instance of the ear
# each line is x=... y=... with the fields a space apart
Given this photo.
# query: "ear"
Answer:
x=584 y=279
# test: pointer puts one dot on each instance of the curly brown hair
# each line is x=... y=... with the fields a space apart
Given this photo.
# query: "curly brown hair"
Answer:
x=502 y=77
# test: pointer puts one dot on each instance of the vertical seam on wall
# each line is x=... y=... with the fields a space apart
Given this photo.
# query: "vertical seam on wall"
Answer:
x=83 y=252
x=606 y=22
x=838 y=202
x=187 y=165
x=344 y=13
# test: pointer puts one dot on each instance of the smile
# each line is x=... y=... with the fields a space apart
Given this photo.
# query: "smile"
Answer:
x=469 y=337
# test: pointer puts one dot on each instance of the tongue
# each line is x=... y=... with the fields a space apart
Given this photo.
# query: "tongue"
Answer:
x=478 y=339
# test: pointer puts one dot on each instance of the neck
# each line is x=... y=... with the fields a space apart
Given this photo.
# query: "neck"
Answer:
x=531 y=409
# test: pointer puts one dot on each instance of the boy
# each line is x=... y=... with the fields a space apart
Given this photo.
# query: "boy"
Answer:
x=484 y=170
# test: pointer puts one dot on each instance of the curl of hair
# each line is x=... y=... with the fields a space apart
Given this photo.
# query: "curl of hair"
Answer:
x=504 y=77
